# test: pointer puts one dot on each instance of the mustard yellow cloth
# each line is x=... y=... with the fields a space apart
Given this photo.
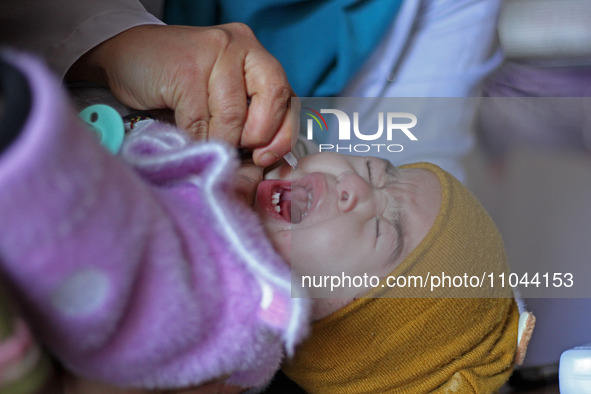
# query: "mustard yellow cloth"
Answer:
x=429 y=344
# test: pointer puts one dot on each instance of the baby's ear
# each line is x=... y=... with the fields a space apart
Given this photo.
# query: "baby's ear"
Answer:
x=527 y=322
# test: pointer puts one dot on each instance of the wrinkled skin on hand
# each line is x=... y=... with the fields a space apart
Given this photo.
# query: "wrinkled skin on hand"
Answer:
x=204 y=74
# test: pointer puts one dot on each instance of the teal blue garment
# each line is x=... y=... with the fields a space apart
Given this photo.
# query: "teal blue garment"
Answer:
x=320 y=43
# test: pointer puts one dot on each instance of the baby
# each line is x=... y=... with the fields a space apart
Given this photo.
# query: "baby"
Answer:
x=157 y=278
x=343 y=215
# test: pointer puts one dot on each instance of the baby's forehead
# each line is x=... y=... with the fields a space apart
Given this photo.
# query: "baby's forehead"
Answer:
x=351 y=158
x=339 y=155
x=332 y=159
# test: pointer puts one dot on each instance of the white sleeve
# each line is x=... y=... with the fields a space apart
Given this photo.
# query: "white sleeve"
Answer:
x=435 y=48
x=61 y=31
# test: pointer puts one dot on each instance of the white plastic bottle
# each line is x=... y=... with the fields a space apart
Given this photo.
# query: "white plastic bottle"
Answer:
x=575 y=370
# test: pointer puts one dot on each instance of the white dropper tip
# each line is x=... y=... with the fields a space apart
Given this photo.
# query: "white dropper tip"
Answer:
x=291 y=160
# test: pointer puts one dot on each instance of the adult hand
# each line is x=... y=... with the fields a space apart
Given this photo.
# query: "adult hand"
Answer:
x=204 y=74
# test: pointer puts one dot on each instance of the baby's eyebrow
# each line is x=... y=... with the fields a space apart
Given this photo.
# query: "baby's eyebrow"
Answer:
x=392 y=211
x=389 y=168
x=392 y=214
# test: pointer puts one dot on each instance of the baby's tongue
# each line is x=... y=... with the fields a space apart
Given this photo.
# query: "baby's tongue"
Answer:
x=285 y=206
x=294 y=204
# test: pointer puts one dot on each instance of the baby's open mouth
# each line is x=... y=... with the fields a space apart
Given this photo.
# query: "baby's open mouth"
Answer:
x=292 y=203
x=287 y=200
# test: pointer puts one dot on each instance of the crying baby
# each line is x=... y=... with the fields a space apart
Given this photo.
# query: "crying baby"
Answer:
x=357 y=216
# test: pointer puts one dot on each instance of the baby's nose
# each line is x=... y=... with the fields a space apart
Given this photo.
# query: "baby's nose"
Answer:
x=351 y=191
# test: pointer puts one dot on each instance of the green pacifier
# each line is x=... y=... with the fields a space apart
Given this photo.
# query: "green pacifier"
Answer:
x=107 y=124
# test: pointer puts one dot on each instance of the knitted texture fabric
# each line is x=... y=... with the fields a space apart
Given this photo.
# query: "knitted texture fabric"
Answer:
x=454 y=341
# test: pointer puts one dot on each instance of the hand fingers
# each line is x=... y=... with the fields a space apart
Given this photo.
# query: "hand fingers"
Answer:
x=264 y=123
x=186 y=91
x=206 y=77
x=270 y=94
x=169 y=73
x=284 y=139
x=192 y=114
x=227 y=97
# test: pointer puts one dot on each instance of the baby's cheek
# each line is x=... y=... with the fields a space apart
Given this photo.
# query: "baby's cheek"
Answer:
x=281 y=241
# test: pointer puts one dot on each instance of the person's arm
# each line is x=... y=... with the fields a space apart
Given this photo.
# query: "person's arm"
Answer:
x=61 y=31
x=204 y=74
x=151 y=276
x=207 y=76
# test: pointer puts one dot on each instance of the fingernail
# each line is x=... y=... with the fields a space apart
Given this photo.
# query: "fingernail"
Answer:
x=268 y=158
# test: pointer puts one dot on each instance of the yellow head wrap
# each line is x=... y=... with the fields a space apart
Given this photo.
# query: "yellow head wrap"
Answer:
x=420 y=345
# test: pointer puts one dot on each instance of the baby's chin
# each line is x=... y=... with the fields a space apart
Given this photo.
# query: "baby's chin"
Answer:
x=279 y=236
x=281 y=242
